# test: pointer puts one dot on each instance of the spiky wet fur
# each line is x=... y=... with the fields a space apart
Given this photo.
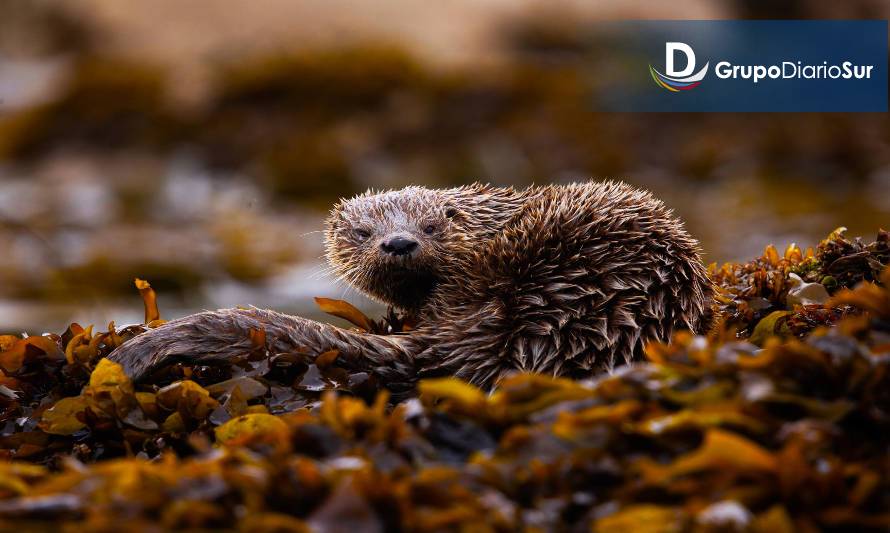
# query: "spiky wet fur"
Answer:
x=564 y=280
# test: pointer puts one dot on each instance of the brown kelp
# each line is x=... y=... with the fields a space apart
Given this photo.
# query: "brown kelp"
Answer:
x=770 y=423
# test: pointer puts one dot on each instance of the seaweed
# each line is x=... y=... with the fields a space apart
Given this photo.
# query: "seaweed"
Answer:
x=785 y=293
x=708 y=434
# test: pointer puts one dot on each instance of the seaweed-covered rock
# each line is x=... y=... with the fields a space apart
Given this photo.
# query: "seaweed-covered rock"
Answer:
x=785 y=294
x=709 y=434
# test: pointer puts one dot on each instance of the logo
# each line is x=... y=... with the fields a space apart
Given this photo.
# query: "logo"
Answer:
x=682 y=80
x=744 y=66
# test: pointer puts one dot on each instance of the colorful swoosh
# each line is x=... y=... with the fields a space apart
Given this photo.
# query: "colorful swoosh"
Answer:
x=676 y=85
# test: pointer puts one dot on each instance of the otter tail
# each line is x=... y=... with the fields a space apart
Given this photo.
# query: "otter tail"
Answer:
x=227 y=333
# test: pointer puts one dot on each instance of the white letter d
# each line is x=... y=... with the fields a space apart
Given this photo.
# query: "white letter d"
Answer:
x=669 y=49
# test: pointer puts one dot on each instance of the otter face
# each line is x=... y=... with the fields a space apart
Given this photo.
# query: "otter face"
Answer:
x=393 y=246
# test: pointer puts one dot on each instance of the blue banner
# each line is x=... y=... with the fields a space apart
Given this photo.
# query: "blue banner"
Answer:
x=743 y=65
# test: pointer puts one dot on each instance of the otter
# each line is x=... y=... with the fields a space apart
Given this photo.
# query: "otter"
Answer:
x=567 y=280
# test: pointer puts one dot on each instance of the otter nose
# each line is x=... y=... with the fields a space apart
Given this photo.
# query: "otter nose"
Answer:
x=398 y=245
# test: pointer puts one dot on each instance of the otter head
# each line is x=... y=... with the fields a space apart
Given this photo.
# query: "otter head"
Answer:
x=394 y=246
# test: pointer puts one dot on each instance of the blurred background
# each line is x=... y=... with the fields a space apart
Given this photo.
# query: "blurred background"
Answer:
x=199 y=144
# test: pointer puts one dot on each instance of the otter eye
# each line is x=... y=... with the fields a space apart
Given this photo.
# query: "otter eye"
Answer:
x=362 y=234
x=451 y=212
x=429 y=229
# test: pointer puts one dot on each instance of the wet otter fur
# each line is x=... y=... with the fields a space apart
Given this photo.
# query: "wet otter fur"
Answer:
x=565 y=280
